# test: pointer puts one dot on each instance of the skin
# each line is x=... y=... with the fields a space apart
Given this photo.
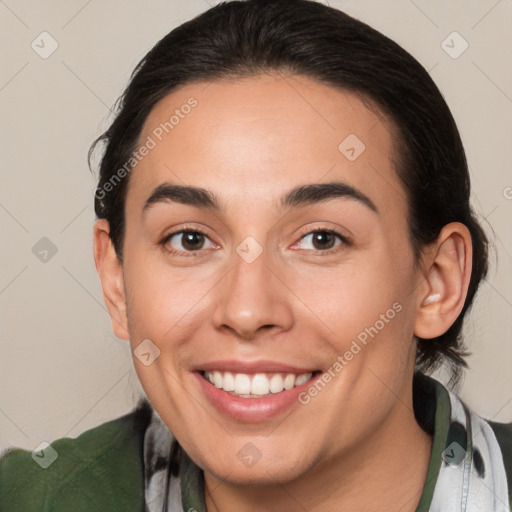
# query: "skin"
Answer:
x=356 y=445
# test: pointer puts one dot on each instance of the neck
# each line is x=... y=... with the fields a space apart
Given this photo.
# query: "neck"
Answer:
x=384 y=473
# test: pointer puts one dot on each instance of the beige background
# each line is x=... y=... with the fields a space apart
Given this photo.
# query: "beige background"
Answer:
x=61 y=369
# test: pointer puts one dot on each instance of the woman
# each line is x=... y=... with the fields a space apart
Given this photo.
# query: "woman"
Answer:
x=284 y=236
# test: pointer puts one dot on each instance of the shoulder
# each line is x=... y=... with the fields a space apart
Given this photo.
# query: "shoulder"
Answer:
x=486 y=475
x=503 y=433
x=102 y=469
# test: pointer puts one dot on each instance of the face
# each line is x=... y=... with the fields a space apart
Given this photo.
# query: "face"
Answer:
x=298 y=307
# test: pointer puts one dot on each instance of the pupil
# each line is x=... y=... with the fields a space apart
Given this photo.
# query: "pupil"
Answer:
x=322 y=237
x=190 y=240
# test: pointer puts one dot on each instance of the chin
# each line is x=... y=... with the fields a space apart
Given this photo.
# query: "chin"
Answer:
x=261 y=473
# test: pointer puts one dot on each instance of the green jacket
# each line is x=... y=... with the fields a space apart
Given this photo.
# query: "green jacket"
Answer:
x=103 y=469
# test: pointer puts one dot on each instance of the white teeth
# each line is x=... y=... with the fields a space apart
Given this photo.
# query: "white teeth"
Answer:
x=242 y=384
x=276 y=383
x=289 y=381
x=254 y=385
x=228 y=382
x=260 y=385
x=301 y=379
x=217 y=379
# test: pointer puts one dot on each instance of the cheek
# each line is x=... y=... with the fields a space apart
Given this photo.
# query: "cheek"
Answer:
x=365 y=308
x=160 y=300
x=356 y=295
x=149 y=305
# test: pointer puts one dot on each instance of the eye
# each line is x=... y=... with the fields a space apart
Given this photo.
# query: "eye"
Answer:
x=186 y=241
x=322 y=240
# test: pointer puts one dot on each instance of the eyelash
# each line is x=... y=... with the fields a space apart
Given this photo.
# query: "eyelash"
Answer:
x=194 y=254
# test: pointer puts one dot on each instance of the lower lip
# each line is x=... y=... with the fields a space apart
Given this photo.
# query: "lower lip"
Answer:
x=252 y=409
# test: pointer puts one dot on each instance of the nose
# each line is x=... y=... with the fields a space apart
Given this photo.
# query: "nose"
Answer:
x=254 y=297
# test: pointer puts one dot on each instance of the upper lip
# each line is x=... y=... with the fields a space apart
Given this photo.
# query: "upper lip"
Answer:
x=251 y=367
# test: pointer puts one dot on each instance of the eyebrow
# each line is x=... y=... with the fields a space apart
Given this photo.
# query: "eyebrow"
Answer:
x=300 y=196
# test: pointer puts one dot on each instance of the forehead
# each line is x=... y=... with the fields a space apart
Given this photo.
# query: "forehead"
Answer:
x=260 y=136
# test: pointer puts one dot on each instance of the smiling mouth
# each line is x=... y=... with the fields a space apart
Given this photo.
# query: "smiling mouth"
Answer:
x=256 y=385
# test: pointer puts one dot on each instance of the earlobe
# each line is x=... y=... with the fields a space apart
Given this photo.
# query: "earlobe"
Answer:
x=110 y=271
x=446 y=281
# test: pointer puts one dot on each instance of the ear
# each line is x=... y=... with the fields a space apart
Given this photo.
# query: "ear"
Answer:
x=110 y=271
x=447 y=272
